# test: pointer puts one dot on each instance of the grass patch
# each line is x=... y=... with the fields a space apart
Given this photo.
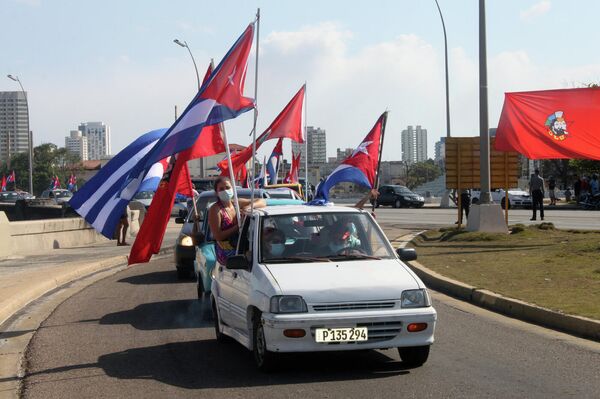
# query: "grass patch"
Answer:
x=556 y=269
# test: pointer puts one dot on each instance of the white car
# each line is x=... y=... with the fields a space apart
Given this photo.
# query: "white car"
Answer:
x=331 y=281
x=516 y=197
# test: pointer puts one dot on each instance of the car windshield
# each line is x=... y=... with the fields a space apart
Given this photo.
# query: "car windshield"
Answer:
x=144 y=195
x=331 y=236
x=403 y=191
x=62 y=194
x=9 y=196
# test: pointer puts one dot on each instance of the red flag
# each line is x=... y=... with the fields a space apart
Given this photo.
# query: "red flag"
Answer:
x=3 y=186
x=238 y=161
x=175 y=179
x=288 y=124
x=551 y=124
x=292 y=176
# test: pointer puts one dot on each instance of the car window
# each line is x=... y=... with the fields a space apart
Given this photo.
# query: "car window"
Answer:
x=63 y=194
x=321 y=237
x=244 y=243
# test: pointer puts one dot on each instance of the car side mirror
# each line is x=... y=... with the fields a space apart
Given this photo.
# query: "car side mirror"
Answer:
x=407 y=254
x=180 y=220
x=238 y=262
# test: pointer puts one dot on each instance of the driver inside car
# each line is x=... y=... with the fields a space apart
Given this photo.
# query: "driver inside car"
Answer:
x=338 y=237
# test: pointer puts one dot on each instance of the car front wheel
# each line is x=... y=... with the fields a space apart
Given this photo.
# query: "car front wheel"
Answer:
x=398 y=204
x=265 y=360
x=414 y=356
x=219 y=335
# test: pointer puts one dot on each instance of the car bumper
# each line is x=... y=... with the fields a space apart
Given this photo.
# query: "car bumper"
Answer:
x=385 y=329
x=184 y=257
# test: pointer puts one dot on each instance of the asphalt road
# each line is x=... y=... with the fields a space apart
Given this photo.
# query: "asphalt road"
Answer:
x=426 y=218
x=141 y=333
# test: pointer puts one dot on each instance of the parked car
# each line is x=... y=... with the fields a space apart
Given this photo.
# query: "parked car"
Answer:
x=59 y=196
x=297 y=187
x=516 y=197
x=9 y=197
x=333 y=283
x=145 y=197
x=398 y=197
x=185 y=250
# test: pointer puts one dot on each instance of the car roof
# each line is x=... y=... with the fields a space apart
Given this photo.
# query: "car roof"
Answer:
x=303 y=209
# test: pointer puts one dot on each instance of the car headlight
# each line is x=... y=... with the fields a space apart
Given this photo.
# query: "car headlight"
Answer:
x=415 y=299
x=288 y=304
x=186 y=241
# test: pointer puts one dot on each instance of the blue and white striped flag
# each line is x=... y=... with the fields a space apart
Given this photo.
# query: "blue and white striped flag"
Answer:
x=99 y=201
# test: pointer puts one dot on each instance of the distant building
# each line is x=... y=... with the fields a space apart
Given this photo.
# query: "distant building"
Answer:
x=98 y=139
x=343 y=154
x=440 y=151
x=317 y=147
x=77 y=144
x=14 y=132
x=414 y=144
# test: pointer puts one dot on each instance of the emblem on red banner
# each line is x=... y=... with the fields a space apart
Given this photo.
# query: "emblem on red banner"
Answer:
x=557 y=126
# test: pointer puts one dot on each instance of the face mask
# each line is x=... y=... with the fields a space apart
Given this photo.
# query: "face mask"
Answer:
x=277 y=249
x=226 y=195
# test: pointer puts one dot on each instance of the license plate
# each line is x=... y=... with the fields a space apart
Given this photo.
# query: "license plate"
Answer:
x=341 y=334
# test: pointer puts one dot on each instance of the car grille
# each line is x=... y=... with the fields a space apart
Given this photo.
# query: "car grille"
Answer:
x=380 y=331
x=333 y=307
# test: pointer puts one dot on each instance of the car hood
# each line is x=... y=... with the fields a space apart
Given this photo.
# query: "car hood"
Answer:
x=364 y=280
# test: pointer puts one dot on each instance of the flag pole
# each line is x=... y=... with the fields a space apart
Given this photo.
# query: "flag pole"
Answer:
x=306 y=187
x=231 y=174
x=255 y=112
x=383 y=123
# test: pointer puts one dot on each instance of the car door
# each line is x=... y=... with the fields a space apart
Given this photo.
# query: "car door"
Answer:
x=387 y=195
x=224 y=293
x=241 y=279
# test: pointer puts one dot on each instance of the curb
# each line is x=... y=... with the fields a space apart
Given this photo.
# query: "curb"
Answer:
x=30 y=294
x=575 y=325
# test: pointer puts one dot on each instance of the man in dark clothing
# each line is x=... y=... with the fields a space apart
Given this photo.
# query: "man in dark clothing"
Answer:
x=536 y=188
x=465 y=204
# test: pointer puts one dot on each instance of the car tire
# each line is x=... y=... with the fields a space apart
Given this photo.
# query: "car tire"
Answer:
x=414 y=356
x=220 y=337
x=265 y=360
x=397 y=204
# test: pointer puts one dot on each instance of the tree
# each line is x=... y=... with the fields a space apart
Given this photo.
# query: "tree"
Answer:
x=422 y=172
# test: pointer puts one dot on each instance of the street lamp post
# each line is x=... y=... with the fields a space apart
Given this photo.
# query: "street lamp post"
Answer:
x=446 y=65
x=184 y=44
x=29 y=134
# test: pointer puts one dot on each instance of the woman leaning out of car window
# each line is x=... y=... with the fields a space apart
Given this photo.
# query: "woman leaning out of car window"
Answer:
x=222 y=219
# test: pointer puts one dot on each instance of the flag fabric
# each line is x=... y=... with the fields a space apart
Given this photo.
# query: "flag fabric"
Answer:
x=3 y=185
x=72 y=183
x=175 y=180
x=11 y=178
x=273 y=162
x=98 y=201
x=360 y=167
x=218 y=100
x=551 y=124
x=289 y=122
x=54 y=183
x=238 y=161
x=292 y=176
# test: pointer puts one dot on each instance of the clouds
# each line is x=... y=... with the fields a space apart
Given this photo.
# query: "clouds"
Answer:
x=535 y=10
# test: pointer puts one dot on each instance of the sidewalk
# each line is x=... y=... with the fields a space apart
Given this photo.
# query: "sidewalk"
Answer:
x=26 y=278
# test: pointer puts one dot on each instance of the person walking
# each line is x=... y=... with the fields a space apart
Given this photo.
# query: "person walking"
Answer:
x=577 y=188
x=594 y=185
x=536 y=188
x=551 y=190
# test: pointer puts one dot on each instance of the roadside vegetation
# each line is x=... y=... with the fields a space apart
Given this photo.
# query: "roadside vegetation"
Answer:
x=556 y=269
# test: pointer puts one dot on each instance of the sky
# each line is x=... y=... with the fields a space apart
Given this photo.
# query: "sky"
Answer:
x=115 y=61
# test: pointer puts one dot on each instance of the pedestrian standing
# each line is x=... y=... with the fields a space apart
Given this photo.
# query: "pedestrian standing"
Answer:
x=577 y=188
x=465 y=204
x=594 y=186
x=536 y=188
x=551 y=190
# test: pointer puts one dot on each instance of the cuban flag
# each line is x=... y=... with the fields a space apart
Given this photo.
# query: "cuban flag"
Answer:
x=11 y=178
x=98 y=200
x=72 y=183
x=218 y=100
x=54 y=183
x=360 y=167
x=273 y=162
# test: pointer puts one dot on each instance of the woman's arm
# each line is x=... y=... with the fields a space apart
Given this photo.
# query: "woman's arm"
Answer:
x=214 y=222
x=258 y=203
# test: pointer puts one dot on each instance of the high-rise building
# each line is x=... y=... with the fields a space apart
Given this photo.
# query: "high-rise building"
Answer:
x=98 y=139
x=14 y=132
x=317 y=147
x=77 y=144
x=414 y=144
x=440 y=151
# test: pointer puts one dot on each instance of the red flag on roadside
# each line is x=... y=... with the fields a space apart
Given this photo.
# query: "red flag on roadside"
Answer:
x=175 y=179
x=288 y=124
x=551 y=124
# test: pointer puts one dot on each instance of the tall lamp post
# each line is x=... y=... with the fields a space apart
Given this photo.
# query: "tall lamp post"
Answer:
x=184 y=44
x=29 y=134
